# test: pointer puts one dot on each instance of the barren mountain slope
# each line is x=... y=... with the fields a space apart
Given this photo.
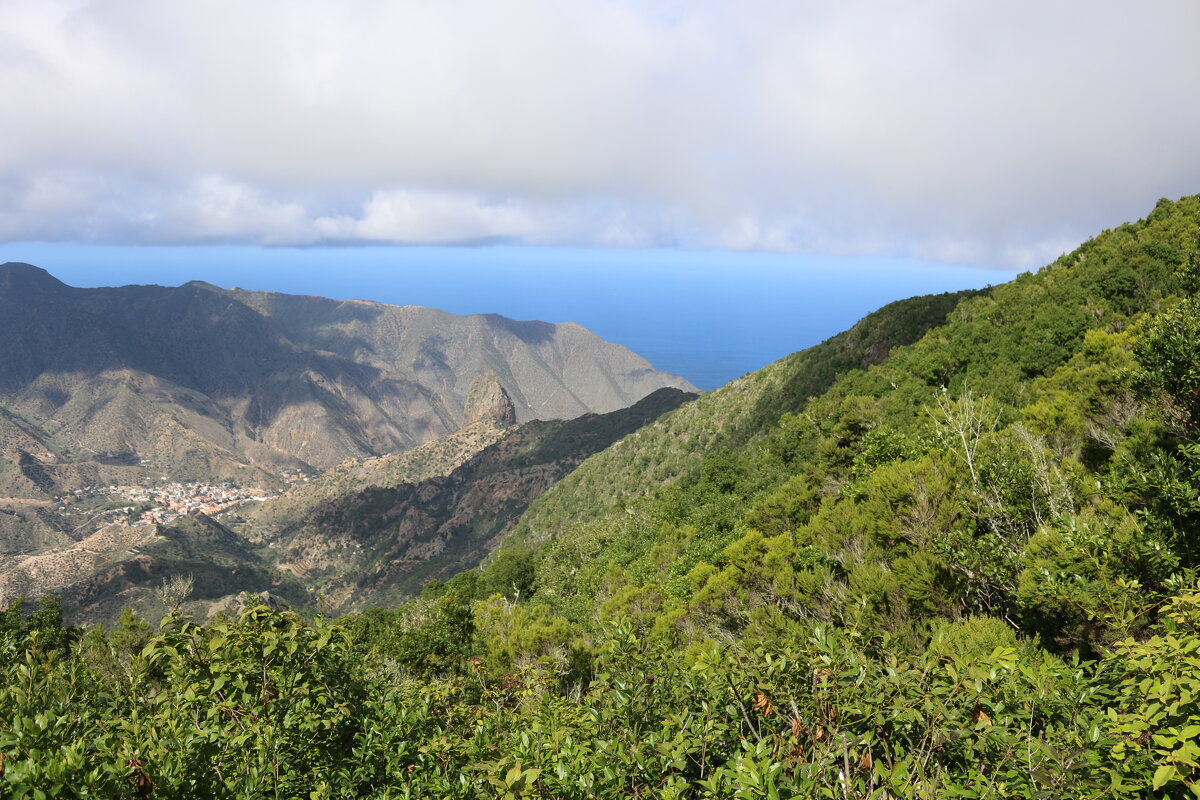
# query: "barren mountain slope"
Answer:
x=106 y=385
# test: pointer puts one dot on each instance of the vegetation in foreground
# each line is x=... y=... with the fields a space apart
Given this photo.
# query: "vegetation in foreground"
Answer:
x=970 y=570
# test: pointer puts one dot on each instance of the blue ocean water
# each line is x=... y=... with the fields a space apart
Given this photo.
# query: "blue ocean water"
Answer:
x=709 y=316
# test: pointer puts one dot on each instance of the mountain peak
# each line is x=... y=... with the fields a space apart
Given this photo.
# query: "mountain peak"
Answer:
x=205 y=285
x=487 y=399
x=21 y=277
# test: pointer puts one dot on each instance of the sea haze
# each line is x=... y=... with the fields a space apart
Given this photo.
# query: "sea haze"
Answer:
x=708 y=316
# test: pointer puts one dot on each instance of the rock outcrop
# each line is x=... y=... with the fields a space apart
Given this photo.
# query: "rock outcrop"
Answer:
x=488 y=401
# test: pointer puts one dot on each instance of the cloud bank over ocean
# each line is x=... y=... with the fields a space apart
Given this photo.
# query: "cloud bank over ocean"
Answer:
x=938 y=130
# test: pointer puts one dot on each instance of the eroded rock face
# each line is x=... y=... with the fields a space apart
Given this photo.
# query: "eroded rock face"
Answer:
x=487 y=400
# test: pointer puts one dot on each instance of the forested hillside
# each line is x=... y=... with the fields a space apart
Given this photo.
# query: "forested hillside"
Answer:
x=1020 y=411
x=954 y=554
x=742 y=411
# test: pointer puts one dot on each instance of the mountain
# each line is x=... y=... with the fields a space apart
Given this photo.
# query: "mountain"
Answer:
x=112 y=385
x=379 y=542
x=732 y=416
x=368 y=532
x=911 y=465
x=953 y=552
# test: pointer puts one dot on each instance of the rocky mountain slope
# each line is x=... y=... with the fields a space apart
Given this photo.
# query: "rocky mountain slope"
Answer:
x=367 y=532
x=378 y=543
x=113 y=384
x=489 y=413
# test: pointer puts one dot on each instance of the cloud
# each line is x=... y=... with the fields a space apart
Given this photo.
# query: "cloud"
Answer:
x=996 y=134
x=430 y=217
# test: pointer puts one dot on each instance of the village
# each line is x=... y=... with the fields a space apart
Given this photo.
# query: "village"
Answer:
x=167 y=501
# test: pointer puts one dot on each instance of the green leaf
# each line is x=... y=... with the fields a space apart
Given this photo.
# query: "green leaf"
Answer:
x=1164 y=774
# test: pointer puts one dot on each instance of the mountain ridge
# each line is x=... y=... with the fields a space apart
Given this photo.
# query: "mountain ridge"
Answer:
x=367 y=532
x=764 y=457
x=203 y=382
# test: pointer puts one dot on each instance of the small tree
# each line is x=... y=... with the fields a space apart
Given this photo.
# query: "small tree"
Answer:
x=173 y=591
x=1169 y=355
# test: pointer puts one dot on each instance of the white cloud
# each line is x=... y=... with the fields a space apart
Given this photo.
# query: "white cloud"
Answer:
x=430 y=218
x=996 y=133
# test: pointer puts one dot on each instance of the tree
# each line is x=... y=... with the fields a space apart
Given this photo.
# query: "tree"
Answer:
x=1169 y=355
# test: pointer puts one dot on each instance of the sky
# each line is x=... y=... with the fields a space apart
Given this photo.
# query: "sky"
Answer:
x=987 y=137
x=975 y=133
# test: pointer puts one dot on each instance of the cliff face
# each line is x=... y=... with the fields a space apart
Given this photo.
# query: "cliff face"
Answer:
x=114 y=384
x=487 y=401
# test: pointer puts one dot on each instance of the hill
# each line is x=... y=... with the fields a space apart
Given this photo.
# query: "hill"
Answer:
x=1034 y=373
x=732 y=416
x=380 y=542
x=197 y=383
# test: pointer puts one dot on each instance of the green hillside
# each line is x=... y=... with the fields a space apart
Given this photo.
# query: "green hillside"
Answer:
x=741 y=411
x=952 y=553
x=1043 y=363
